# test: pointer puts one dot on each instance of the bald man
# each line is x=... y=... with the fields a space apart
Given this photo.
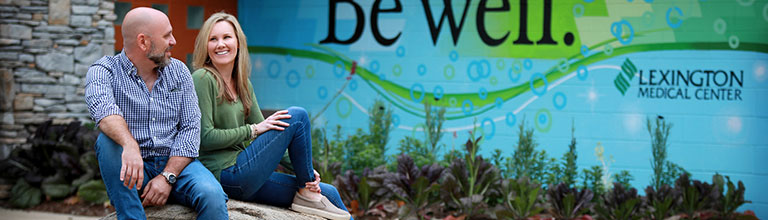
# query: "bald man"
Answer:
x=146 y=107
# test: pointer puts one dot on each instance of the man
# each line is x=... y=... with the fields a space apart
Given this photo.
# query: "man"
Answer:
x=146 y=107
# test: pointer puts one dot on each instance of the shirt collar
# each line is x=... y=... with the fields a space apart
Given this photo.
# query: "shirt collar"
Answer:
x=127 y=64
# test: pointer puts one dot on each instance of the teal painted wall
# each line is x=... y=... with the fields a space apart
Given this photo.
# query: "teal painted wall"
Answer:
x=576 y=78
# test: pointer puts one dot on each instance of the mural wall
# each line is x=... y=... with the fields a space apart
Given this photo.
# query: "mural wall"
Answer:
x=600 y=66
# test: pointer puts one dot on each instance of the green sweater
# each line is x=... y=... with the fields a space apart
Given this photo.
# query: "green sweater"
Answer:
x=224 y=128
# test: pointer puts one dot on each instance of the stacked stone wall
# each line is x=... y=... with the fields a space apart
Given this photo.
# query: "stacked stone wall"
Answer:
x=46 y=48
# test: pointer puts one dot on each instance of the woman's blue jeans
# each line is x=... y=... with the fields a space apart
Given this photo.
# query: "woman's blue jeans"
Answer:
x=253 y=179
x=195 y=187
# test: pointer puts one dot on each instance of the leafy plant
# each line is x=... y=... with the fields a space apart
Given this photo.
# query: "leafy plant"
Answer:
x=619 y=203
x=624 y=178
x=592 y=180
x=661 y=203
x=733 y=198
x=526 y=160
x=415 y=148
x=521 y=199
x=23 y=195
x=416 y=187
x=567 y=202
x=664 y=172
x=365 y=149
x=60 y=159
x=434 y=118
x=327 y=156
x=470 y=182
x=696 y=195
x=570 y=169
x=93 y=191
x=363 y=195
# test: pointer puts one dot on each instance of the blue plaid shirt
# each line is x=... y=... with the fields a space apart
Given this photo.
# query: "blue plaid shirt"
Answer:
x=165 y=122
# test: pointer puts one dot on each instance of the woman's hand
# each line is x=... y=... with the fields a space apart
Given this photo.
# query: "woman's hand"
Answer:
x=272 y=122
x=314 y=186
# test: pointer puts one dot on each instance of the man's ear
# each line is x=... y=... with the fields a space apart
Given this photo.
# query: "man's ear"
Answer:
x=143 y=41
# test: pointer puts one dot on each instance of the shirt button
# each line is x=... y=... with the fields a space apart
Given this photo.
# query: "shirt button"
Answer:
x=151 y=99
x=153 y=119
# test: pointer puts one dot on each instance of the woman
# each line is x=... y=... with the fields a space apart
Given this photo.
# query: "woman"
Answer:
x=239 y=146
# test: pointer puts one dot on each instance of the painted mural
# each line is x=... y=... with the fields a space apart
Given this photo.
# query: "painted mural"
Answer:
x=601 y=67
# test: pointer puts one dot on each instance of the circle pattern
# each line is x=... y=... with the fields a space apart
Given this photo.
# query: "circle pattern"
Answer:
x=733 y=42
x=582 y=72
x=532 y=82
x=353 y=85
x=339 y=69
x=482 y=93
x=493 y=80
x=309 y=71
x=397 y=70
x=608 y=49
x=438 y=92
x=374 y=66
x=499 y=102
x=679 y=22
x=293 y=79
x=413 y=91
x=511 y=119
x=543 y=120
x=559 y=100
x=482 y=68
x=452 y=101
x=500 y=64
x=400 y=51
x=322 y=92
x=273 y=69
x=720 y=26
x=467 y=107
x=563 y=65
x=395 y=120
x=514 y=74
x=422 y=69
x=449 y=72
x=347 y=104
x=578 y=10
x=454 y=56
x=584 y=50
x=527 y=64
x=617 y=30
x=486 y=134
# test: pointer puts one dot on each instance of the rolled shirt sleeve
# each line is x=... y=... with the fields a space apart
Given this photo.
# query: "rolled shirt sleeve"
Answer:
x=98 y=93
x=187 y=142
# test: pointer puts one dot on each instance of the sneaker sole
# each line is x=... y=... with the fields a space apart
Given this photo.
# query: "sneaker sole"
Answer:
x=321 y=213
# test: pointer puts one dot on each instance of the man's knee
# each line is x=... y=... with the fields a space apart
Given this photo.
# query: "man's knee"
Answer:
x=210 y=192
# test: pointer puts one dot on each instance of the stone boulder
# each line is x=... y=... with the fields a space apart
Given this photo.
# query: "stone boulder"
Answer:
x=237 y=210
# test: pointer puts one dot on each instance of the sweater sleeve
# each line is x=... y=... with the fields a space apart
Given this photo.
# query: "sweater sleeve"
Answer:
x=255 y=117
x=212 y=138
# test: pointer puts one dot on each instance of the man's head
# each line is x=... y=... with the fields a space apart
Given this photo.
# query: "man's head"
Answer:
x=147 y=36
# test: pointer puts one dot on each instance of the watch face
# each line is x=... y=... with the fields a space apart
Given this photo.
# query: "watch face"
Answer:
x=171 y=179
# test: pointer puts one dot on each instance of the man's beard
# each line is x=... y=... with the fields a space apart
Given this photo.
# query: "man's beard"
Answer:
x=159 y=58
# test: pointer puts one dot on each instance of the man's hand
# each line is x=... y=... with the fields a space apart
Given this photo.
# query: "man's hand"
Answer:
x=132 y=168
x=157 y=191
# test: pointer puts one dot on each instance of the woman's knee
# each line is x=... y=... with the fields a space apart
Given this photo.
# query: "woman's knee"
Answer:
x=298 y=113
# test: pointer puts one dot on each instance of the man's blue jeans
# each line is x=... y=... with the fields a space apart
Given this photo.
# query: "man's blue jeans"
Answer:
x=253 y=179
x=195 y=187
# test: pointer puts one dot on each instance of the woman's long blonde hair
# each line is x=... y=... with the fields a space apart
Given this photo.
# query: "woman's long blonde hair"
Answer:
x=242 y=71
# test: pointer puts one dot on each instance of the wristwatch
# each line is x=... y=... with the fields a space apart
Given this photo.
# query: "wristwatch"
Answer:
x=169 y=177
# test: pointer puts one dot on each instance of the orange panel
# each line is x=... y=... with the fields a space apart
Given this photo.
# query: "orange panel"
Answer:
x=177 y=12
